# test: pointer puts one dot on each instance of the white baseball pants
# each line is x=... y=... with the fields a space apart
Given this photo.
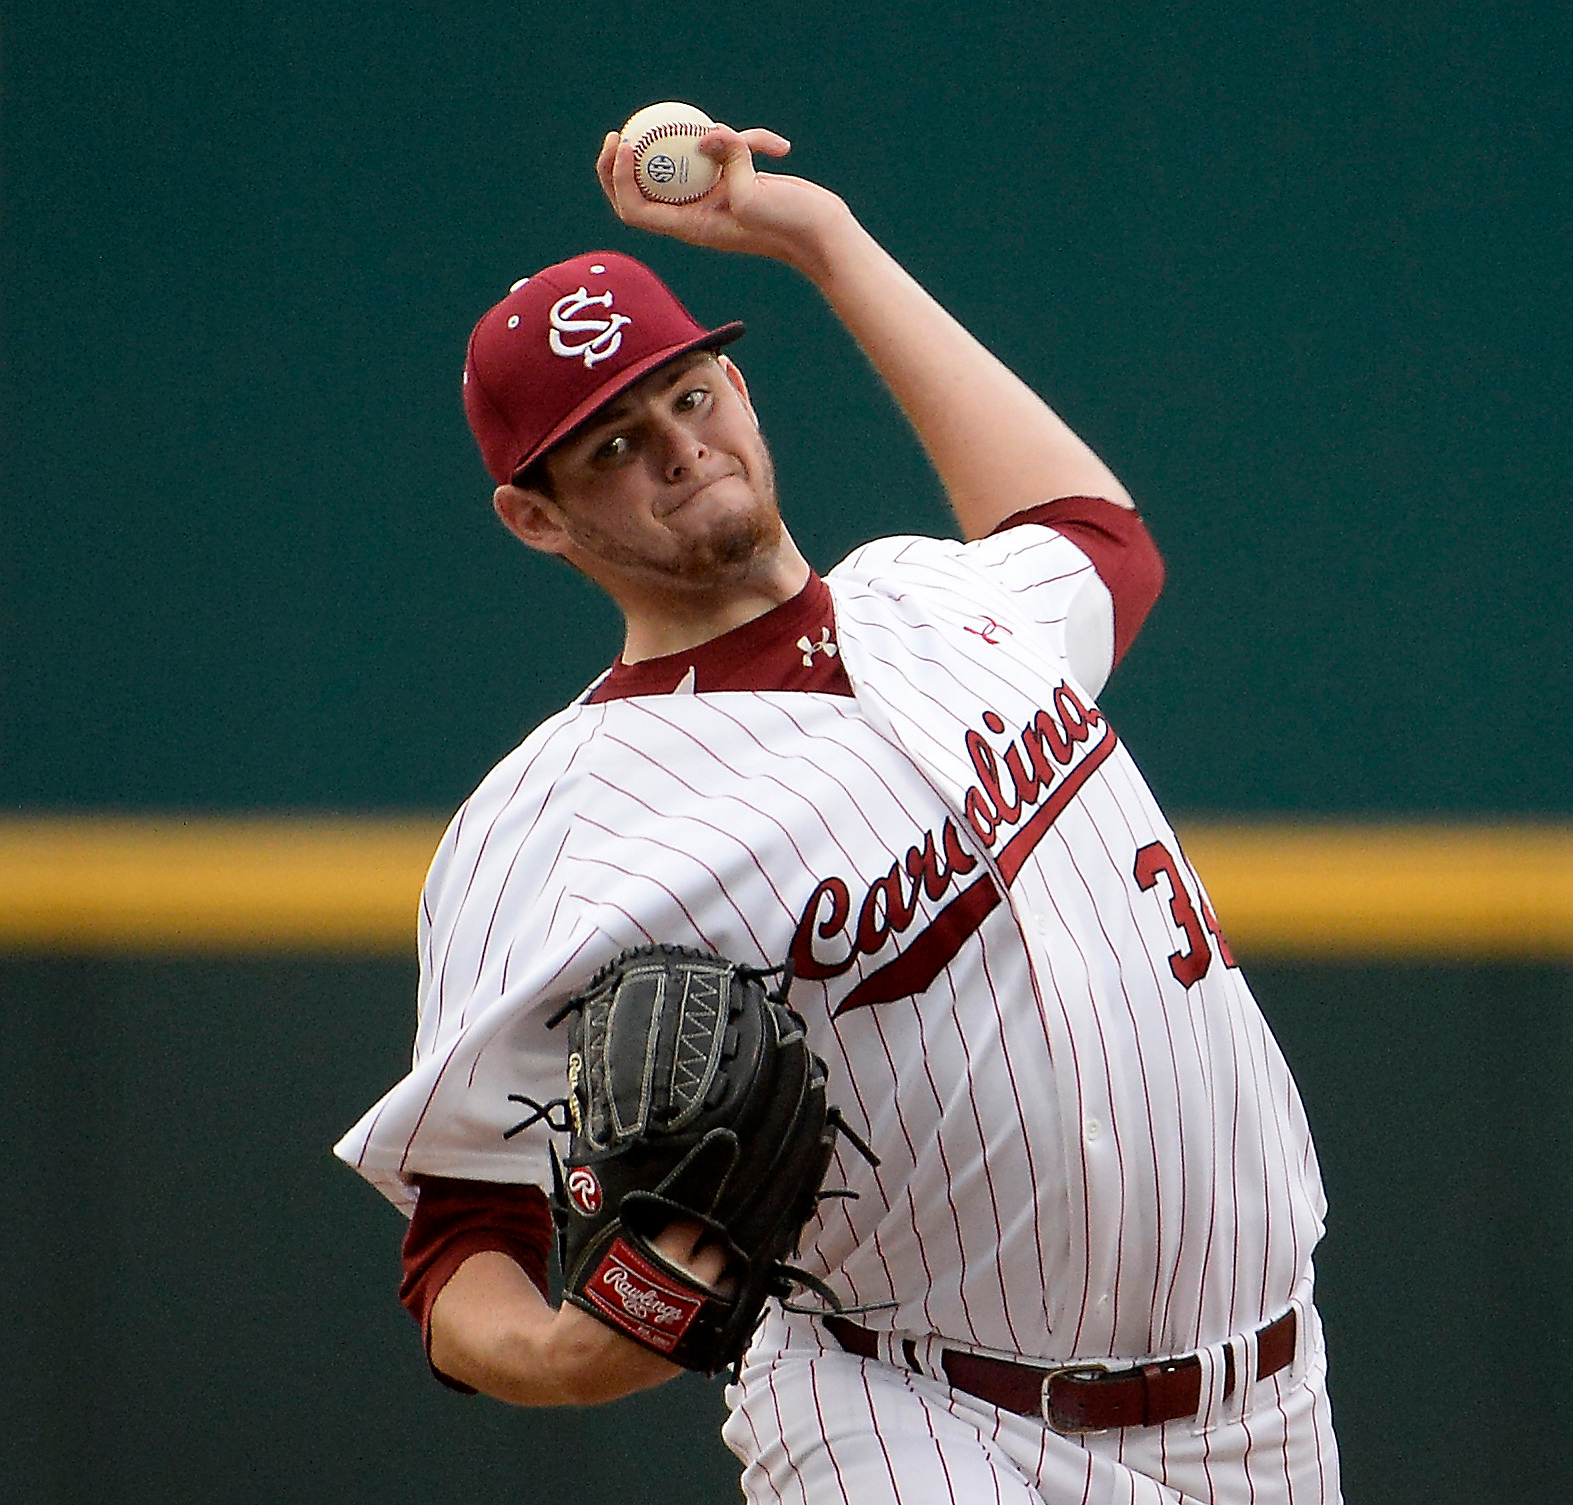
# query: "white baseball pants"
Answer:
x=818 y=1426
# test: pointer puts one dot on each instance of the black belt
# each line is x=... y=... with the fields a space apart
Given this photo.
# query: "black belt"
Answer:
x=1085 y=1397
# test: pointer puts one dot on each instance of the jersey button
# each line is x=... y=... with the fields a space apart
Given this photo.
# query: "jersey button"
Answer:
x=1093 y=1129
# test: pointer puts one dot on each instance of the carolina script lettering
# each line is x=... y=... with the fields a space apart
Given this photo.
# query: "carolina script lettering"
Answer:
x=1053 y=756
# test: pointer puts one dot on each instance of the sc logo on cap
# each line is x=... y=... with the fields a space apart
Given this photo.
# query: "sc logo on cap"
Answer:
x=605 y=336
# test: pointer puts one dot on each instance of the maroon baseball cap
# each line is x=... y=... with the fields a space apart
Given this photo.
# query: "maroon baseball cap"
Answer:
x=563 y=343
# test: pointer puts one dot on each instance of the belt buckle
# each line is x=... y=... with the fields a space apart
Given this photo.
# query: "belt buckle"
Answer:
x=1090 y=1372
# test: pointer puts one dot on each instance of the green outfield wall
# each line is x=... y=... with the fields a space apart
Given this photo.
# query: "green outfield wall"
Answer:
x=1300 y=273
x=202 y=1301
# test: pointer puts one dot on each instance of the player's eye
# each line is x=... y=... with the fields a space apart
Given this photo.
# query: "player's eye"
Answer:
x=614 y=448
x=691 y=399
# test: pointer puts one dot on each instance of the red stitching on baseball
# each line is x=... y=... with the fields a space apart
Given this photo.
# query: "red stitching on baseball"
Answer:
x=671 y=128
x=659 y=132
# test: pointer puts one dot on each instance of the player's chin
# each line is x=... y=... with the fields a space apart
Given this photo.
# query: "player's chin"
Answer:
x=725 y=532
x=740 y=539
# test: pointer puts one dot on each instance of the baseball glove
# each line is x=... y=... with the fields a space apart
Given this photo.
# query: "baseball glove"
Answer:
x=693 y=1094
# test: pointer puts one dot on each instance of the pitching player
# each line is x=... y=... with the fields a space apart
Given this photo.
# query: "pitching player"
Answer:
x=1082 y=1268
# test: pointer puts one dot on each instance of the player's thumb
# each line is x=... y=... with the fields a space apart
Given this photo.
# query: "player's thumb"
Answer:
x=731 y=152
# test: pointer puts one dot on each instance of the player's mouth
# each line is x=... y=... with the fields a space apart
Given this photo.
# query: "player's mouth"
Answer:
x=666 y=509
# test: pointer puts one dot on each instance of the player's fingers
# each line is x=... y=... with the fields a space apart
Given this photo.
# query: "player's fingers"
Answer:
x=604 y=163
x=687 y=1244
x=730 y=150
x=768 y=143
x=713 y=1267
x=622 y=184
x=721 y=139
x=723 y=144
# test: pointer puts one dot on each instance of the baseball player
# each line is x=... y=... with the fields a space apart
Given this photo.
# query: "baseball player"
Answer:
x=1082 y=1267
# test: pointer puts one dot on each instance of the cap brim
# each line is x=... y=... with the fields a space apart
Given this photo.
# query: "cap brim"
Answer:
x=716 y=338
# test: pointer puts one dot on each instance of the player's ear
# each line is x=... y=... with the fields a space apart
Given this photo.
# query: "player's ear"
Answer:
x=735 y=376
x=531 y=517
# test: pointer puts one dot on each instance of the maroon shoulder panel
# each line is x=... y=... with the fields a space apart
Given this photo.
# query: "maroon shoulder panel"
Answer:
x=1121 y=550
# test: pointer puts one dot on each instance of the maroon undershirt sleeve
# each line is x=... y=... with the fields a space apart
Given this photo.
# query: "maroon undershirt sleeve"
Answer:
x=455 y=1219
x=1121 y=549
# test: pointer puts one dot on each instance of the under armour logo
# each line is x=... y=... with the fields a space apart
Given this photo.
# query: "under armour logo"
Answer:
x=990 y=630
x=604 y=335
x=810 y=648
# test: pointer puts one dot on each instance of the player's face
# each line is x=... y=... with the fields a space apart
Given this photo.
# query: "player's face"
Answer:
x=669 y=485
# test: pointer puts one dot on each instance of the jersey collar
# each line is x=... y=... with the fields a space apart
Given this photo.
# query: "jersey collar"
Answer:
x=791 y=647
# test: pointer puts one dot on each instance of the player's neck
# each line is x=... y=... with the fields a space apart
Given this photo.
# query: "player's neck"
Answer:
x=659 y=623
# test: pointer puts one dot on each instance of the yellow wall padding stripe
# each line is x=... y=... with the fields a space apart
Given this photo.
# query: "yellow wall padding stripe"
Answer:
x=213 y=885
x=1395 y=891
x=226 y=886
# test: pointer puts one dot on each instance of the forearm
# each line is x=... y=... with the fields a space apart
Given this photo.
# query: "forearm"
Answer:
x=997 y=446
x=492 y=1329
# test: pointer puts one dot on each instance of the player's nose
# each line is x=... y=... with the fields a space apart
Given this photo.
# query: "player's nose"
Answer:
x=681 y=449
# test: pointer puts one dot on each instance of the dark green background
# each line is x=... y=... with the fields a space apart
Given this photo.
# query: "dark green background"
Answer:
x=1300 y=273
x=203 y=1298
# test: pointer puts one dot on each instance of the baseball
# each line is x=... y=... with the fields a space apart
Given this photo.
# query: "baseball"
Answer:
x=668 y=165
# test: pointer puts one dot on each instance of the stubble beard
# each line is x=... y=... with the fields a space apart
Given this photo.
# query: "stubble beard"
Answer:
x=738 y=541
x=723 y=555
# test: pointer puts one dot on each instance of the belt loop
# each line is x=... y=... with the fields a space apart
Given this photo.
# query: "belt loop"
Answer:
x=891 y=1347
x=1245 y=1351
x=1303 y=1317
x=1214 y=1381
x=907 y=1352
x=929 y=1358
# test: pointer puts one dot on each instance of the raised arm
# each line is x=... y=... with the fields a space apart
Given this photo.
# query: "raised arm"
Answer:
x=997 y=446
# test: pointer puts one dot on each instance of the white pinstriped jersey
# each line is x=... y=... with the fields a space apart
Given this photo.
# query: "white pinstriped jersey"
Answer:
x=1090 y=1144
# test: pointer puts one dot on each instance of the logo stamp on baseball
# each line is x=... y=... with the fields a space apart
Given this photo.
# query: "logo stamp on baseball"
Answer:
x=668 y=165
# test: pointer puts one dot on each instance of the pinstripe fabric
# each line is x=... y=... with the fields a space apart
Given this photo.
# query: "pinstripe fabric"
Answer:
x=816 y=1426
x=1090 y=1144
